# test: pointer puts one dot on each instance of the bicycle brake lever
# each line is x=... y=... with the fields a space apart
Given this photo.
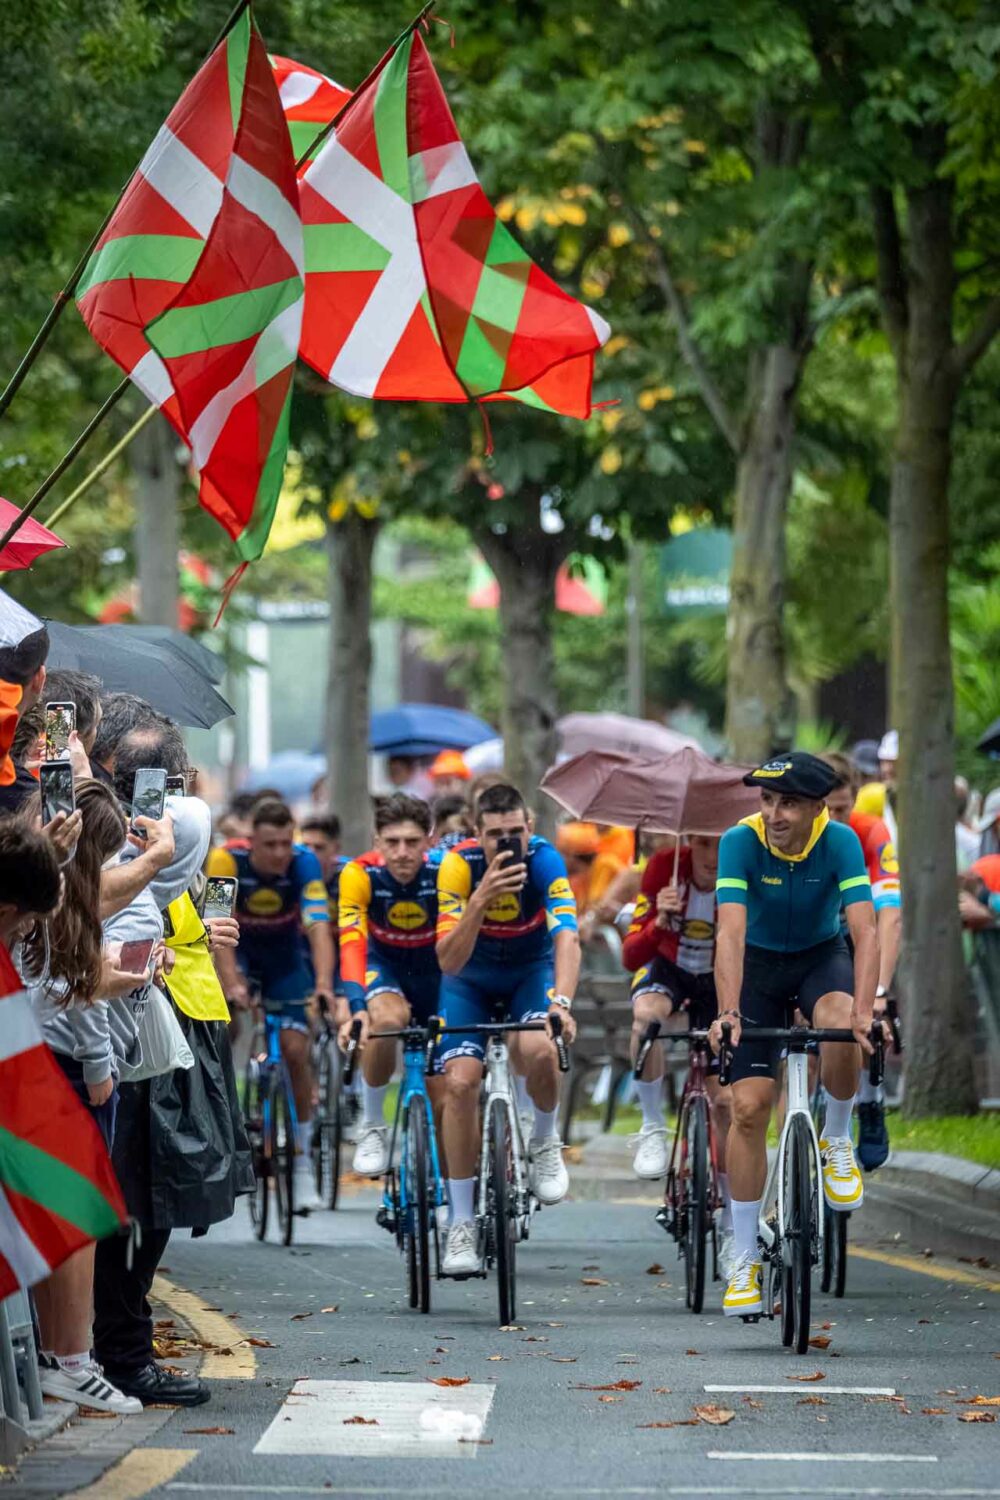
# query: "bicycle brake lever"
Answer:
x=555 y=1022
x=892 y=1016
x=725 y=1054
x=649 y=1036
x=351 y=1053
x=876 y=1063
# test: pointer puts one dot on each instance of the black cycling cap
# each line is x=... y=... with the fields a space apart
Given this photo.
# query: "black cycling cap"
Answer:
x=797 y=774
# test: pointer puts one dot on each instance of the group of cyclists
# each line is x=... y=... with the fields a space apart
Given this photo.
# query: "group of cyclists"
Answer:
x=794 y=910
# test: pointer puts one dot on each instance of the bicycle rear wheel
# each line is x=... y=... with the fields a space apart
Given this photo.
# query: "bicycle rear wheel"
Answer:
x=328 y=1129
x=502 y=1204
x=696 y=1206
x=417 y=1233
x=283 y=1154
x=801 y=1204
x=834 y=1251
x=258 y=1124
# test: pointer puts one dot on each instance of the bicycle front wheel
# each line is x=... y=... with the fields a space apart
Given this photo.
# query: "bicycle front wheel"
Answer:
x=503 y=1208
x=834 y=1250
x=801 y=1205
x=417 y=1234
x=258 y=1125
x=696 y=1205
x=283 y=1154
x=328 y=1130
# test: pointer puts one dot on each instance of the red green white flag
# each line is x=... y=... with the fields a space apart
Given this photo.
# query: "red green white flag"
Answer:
x=58 y=1190
x=310 y=101
x=415 y=289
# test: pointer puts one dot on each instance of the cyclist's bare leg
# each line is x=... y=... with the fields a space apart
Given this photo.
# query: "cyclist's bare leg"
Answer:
x=645 y=1008
x=839 y=1063
x=533 y=1054
x=722 y=1118
x=460 y=1115
x=387 y=1012
x=436 y=1094
x=295 y=1050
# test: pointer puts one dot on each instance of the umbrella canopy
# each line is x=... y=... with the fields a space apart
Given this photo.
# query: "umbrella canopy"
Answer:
x=162 y=676
x=424 y=729
x=293 y=773
x=208 y=664
x=618 y=733
x=30 y=542
x=989 y=741
x=681 y=793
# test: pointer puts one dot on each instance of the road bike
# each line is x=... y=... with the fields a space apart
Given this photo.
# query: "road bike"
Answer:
x=414 y=1192
x=504 y=1200
x=271 y=1123
x=792 y=1224
x=692 y=1196
x=335 y=1106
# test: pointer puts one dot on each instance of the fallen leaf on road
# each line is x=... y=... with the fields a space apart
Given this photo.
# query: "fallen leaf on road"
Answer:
x=923 y=1320
x=618 y=1385
x=334 y=1308
x=661 y=1390
x=980 y=1401
x=593 y=1281
x=299 y=1317
x=259 y=1343
x=535 y=1338
x=807 y=1379
x=494 y=1357
x=511 y=1328
x=590 y=1268
x=646 y=1425
x=715 y=1416
x=611 y=1399
x=209 y=1431
x=948 y=1393
x=977 y=1416
x=555 y=1325
x=933 y=1411
x=821 y=1341
x=561 y=1359
x=655 y=1269
x=450 y=1380
x=360 y=1422
x=812 y=1401
x=692 y=1351
x=440 y=1350
x=749 y=1401
x=91 y=1415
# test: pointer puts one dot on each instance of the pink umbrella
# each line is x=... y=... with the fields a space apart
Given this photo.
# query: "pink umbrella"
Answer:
x=618 y=733
x=29 y=543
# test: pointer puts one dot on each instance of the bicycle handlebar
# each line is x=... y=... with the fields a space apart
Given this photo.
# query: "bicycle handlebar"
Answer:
x=555 y=1022
x=351 y=1052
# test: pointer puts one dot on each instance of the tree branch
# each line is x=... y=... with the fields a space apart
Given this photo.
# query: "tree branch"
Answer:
x=891 y=281
x=695 y=360
x=972 y=349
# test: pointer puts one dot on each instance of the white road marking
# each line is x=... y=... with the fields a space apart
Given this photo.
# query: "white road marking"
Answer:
x=824 y=1458
x=316 y=1419
x=462 y=1493
x=795 y=1389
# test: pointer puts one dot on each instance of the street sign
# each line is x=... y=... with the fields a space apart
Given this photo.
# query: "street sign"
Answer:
x=694 y=572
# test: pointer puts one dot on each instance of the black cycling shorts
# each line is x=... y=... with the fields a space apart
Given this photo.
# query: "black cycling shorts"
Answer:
x=777 y=984
x=662 y=977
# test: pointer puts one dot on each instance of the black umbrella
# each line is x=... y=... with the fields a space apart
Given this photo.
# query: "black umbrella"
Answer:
x=161 y=675
x=209 y=663
x=989 y=741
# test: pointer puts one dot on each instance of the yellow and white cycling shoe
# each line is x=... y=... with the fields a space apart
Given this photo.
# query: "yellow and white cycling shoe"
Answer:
x=743 y=1294
x=842 y=1184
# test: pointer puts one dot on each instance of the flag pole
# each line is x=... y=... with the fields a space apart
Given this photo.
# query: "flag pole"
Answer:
x=332 y=124
x=66 y=295
x=102 y=467
x=64 y=463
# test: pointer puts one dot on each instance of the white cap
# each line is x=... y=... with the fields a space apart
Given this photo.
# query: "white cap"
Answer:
x=888 y=745
x=990 y=812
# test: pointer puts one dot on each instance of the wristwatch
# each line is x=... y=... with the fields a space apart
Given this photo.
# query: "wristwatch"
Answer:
x=562 y=1000
x=880 y=992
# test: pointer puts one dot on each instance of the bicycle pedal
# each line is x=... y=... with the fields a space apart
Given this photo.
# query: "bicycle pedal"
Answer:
x=751 y=1318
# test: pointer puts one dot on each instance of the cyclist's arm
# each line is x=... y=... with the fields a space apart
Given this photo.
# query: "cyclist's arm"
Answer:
x=730 y=942
x=889 y=922
x=642 y=941
x=883 y=871
x=314 y=909
x=549 y=871
x=461 y=911
x=233 y=983
x=354 y=900
x=864 y=936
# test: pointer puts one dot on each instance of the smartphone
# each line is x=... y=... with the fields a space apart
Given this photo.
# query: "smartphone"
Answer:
x=220 y=896
x=56 y=778
x=60 y=721
x=149 y=793
x=513 y=847
x=176 y=786
x=135 y=956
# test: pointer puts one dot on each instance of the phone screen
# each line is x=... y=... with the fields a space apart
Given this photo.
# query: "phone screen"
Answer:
x=176 y=786
x=135 y=956
x=60 y=721
x=149 y=793
x=56 y=780
x=220 y=896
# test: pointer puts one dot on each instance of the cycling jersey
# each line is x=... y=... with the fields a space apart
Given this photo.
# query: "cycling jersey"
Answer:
x=880 y=858
x=387 y=934
x=689 y=940
x=793 y=901
x=272 y=910
x=518 y=928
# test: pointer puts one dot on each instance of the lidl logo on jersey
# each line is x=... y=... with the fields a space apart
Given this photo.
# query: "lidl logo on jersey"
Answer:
x=315 y=891
x=697 y=931
x=641 y=908
x=560 y=889
x=888 y=861
x=407 y=915
x=506 y=908
x=264 y=903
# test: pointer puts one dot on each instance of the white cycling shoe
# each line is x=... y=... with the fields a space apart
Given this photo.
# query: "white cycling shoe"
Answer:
x=652 y=1155
x=371 y=1155
x=548 y=1175
x=461 y=1255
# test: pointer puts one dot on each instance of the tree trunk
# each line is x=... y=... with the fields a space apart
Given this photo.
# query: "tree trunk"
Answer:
x=350 y=543
x=525 y=560
x=157 y=477
x=939 y=1011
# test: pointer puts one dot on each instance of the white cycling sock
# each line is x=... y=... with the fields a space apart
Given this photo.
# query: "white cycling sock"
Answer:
x=304 y=1137
x=461 y=1196
x=521 y=1095
x=373 y=1102
x=745 y=1216
x=868 y=1092
x=726 y=1211
x=837 y=1121
x=651 y=1101
x=73 y=1363
x=544 y=1128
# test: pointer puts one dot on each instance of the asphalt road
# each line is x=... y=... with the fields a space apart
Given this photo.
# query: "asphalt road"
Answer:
x=931 y=1339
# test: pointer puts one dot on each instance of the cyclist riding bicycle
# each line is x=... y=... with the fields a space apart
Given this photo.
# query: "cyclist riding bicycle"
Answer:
x=280 y=893
x=784 y=875
x=670 y=947
x=388 y=967
x=883 y=871
x=506 y=932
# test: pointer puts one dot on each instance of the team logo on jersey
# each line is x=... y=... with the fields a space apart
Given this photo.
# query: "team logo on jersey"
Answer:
x=370 y=977
x=641 y=908
x=264 y=902
x=698 y=931
x=771 y=880
x=888 y=860
x=505 y=908
x=314 y=891
x=560 y=889
x=407 y=915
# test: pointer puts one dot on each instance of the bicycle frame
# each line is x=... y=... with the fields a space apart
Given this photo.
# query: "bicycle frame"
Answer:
x=797 y=1085
x=695 y=1087
x=274 y=1059
x=497 y=1085
x=414 y=1088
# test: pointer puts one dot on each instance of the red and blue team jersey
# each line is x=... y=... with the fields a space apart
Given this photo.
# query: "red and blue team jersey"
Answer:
x=517 y=929
x=387 y=934
x=880 y=859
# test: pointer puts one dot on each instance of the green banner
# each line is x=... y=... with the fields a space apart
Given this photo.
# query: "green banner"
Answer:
x=694 y=572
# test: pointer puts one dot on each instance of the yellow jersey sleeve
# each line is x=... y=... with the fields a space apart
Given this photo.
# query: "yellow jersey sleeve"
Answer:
x=355 y=898
x=454 y=890
x=220 y=863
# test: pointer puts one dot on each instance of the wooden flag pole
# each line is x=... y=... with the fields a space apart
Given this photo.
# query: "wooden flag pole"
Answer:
x=64 y=462
x=102 y=467
x=66 y=295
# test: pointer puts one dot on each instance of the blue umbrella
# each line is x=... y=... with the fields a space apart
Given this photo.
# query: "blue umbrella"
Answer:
x=293 y=773
x=424 y=729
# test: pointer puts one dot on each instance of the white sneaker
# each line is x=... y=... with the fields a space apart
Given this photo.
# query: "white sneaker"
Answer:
x=743 y=1296
x=371 y=1155
x=305 y=1198
x=548 y=1174
x=842 y=1181
x=652 y=1155
x=87 y=1387
x=461 y=1258
x=726 y=1253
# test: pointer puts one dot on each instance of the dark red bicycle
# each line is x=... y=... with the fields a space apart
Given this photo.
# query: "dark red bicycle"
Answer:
x=692 y=1193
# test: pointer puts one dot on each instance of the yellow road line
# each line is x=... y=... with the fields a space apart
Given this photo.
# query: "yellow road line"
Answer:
x=140 y=1471
x=212 y=1328
x=925 y=1267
